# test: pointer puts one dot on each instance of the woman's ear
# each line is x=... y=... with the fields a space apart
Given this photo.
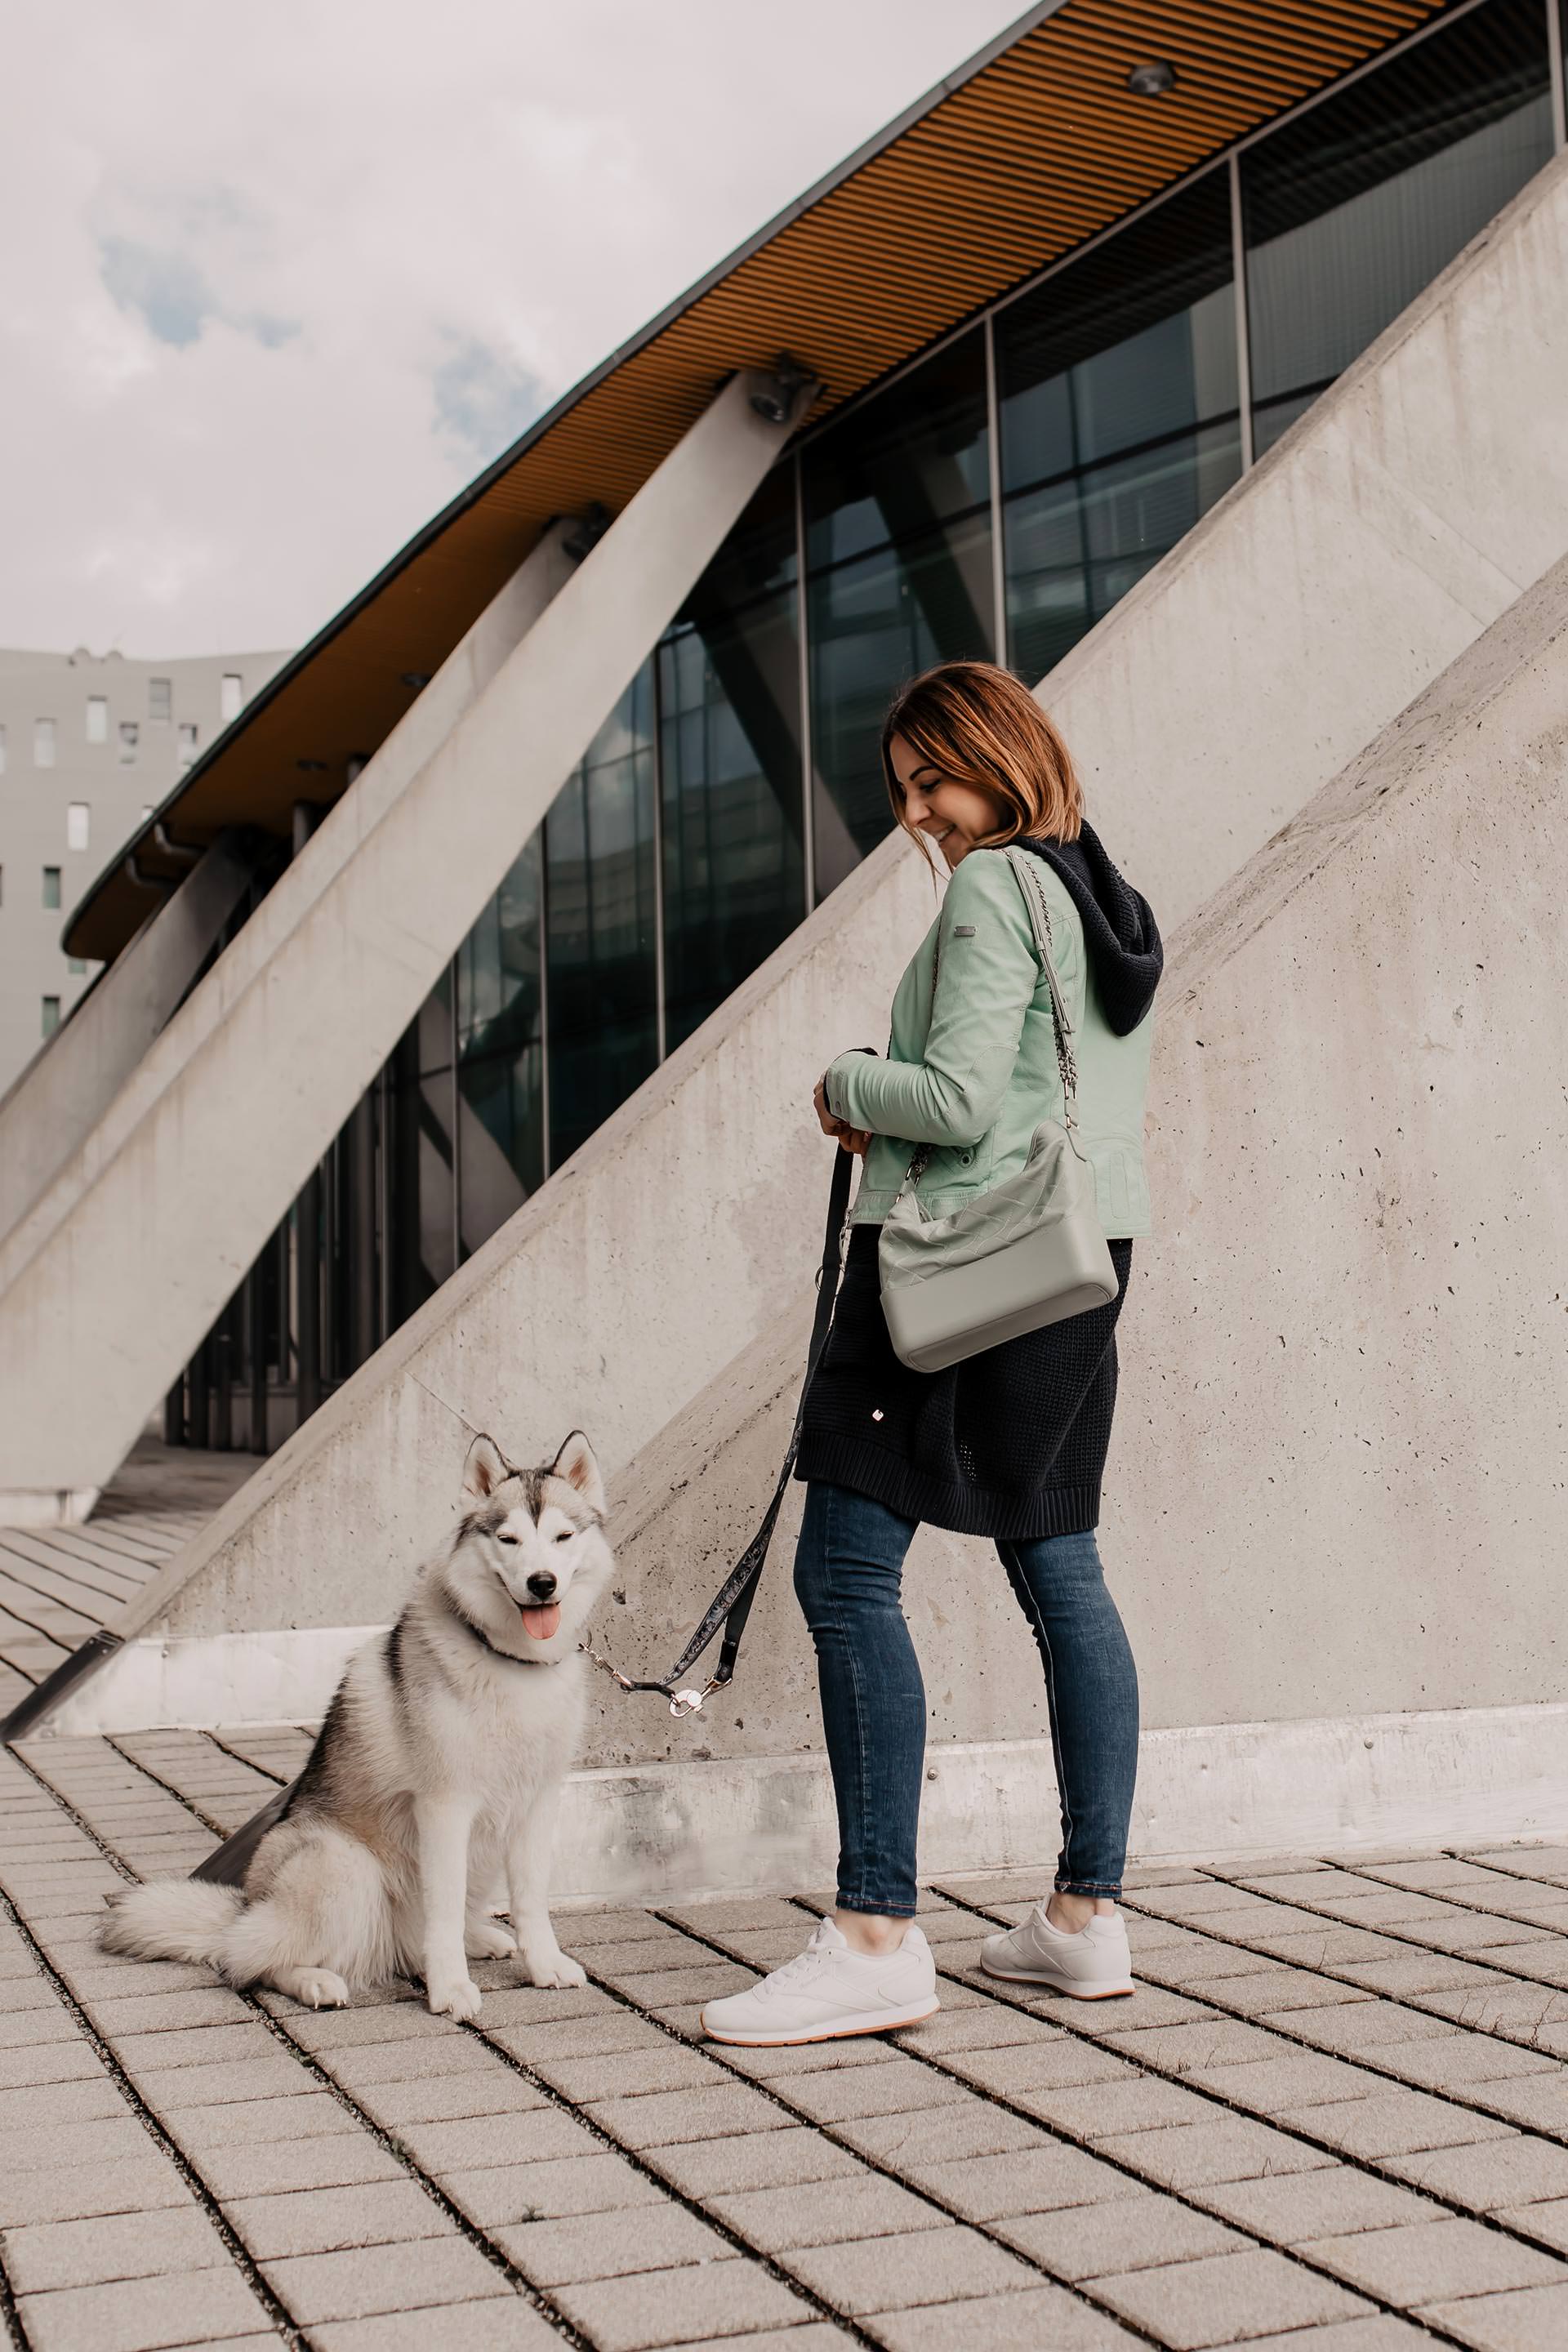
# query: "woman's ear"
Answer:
x=484 y=1469
x=576 y=1464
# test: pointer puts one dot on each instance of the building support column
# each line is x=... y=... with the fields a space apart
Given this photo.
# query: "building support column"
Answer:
x=262 y=1064
x=49 y=1112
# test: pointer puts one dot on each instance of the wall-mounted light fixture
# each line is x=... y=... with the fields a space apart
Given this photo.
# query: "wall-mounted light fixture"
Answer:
x=1152 y=78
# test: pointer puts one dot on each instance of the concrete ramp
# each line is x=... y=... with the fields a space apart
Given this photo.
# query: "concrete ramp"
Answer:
x=1347 y=571
x=1335 y=1516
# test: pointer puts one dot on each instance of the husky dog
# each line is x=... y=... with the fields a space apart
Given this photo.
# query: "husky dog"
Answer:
x=435 y=1774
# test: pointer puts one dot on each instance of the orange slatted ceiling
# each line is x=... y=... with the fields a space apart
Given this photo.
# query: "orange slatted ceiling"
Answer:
x=1035 y=151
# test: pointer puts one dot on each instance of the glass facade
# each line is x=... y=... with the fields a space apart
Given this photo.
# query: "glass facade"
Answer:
x=897 y=504
x=1026 y=473
x=601 y=925
x=1353 y=208
x=1120 y=418
x=732 y=821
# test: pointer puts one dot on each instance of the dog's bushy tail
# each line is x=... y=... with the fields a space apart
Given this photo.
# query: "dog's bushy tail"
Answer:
x=172 y=1919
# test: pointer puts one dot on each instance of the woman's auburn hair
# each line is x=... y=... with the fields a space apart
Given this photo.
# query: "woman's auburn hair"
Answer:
x=977 y=724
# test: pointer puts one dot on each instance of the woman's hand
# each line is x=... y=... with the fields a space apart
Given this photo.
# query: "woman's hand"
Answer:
x=850 y=1139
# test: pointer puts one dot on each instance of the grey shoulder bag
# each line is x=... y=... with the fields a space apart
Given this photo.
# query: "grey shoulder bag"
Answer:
x=1027 y=1253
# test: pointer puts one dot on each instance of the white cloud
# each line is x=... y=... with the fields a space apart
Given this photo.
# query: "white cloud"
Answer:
x=282 y=279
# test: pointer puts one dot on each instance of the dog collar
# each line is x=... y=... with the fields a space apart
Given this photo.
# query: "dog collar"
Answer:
x=507 y=1658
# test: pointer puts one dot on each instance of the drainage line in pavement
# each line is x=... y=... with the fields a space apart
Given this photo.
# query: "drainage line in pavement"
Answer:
x=1395 y=2000
x=238 y=2253
x=876 y=2164
x=387 y=2141
x=1226 y=2108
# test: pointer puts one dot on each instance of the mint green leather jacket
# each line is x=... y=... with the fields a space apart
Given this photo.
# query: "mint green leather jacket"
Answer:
x=974 y=1073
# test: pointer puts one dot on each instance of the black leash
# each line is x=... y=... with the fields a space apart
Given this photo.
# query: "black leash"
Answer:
x=731 y=1605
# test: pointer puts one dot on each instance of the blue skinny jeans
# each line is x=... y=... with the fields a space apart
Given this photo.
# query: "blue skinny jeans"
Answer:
x=848 y=1566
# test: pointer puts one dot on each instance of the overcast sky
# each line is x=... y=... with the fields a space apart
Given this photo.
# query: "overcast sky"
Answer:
x=278 y=281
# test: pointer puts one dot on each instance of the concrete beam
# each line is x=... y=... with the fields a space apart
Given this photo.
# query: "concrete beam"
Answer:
x=59 y=1097
x=679 y=1232
x=207 y=1168
x=467 y=670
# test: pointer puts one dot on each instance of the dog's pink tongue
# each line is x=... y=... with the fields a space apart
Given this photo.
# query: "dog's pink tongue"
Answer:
x=541 y=1622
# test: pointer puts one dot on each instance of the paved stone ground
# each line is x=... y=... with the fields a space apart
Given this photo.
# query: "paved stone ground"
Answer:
x=58 y=1585
x=1333 y=2118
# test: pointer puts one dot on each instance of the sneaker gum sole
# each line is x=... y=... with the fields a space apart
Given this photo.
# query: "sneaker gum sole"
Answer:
x=887 y=2021
x=1060 y=1984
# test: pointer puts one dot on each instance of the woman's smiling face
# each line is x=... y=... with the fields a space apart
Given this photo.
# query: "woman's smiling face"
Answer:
x=954 y=816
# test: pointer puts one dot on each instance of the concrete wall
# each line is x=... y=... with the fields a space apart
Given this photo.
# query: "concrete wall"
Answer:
x=210 y=1169
x=1335 y=1486
x=1343 y=573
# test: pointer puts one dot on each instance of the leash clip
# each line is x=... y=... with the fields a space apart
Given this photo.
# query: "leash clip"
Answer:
x=687 y=1702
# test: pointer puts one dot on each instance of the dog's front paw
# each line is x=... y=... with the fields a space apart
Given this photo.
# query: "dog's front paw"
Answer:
x=320 y=1988
x=453 y=1996
x=555 y=1969
x=488 y=1939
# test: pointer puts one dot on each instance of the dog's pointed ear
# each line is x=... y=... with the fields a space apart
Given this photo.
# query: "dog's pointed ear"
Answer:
x=485 y=1468
x=576 y=1464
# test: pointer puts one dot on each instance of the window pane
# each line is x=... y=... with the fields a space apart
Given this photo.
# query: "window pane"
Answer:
x=51 y=1016
x=231 y=695
x=130 y=735
x=500 y=1045
x=78 y=824
x=1118 y=394
x=43 y=742
x=898 y=540
x=1354 y=209
x=51 y=886
x=97 y=719
x=423 y=1174
x=160 y=701
x=601 y=938
x=187 y=742
x=728 y=683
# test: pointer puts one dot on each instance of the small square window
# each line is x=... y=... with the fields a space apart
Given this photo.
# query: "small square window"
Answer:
x=231 y=695
x=79 y=823
x=160 y=701
x=188 y=740
x=77 y=964
x=43 y=742
x=98 y=718
x=51 y=1015
x=129 y=736
x=52 y=887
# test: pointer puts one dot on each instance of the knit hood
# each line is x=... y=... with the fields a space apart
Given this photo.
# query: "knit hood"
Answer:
x=1118 y=927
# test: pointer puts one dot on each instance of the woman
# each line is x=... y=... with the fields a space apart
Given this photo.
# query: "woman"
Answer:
x=1011 y=1442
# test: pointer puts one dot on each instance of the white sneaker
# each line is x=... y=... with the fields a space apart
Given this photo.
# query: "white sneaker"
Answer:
x=826 y=1991
x=1092 y=1965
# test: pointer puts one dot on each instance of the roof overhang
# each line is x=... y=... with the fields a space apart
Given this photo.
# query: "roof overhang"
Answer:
x=1032 y=147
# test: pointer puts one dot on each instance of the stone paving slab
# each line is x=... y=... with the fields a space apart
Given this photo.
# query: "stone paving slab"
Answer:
x=1334 y=2117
